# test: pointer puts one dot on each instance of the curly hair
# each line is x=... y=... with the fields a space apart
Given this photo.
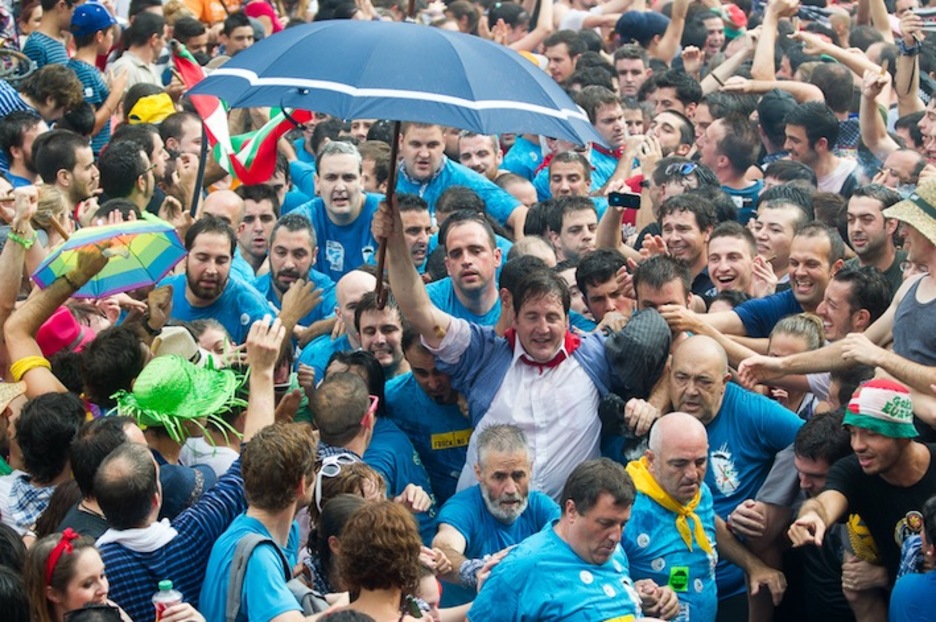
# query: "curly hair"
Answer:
x=356 y=479
x=380 y=548
x=275 y=462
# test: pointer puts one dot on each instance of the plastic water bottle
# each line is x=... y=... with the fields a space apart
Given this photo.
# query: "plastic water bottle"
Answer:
x=165 y=598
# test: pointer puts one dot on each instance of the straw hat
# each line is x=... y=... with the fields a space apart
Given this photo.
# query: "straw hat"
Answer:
x=9 y=391
x=918 y=210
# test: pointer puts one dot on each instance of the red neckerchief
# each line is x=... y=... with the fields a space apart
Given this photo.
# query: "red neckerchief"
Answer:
x=616 y=154
x=570 y=344
x=544 y=163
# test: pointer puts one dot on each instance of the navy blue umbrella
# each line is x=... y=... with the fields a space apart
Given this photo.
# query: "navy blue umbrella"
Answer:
x=385 y=70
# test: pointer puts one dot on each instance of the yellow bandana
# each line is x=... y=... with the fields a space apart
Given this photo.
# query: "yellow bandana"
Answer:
x=645 y=483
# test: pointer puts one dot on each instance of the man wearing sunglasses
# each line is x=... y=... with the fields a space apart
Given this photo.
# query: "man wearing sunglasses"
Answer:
x=126 y=173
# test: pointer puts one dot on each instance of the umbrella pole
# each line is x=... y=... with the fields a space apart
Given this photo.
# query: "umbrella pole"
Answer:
x=200 y=176
x=381 y=291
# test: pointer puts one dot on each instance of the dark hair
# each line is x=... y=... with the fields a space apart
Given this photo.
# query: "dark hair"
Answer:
x=13 y=127
x=537 y=220
x=338 y=406
x=234 y=21
x=209 y=224
x=733 y=229
x=124 y=206
x=631 y=51
x=597 y=267
x=143 y=27
x=835 y=82
x=459 y=198
x=186 y=28
x=789 y=170
x=702 y=208
x=816 y=229
x=594 y=478
x=732 y=297
x=567 y=205
x=44 y=429
x=823 y=437
x=380 y=548
x=540 y=284
x=140 y=6
x=13 y=599
x=379 y=153
x=911 y=122
x=381 y=131
x=328 y=129
x=818 y=120
x=57 y=151
x=111 y=362
x=171 y=126
x=740 y=143
x=512 y=13
x=259 y=193
x=56 y=82
x=336 y=512
x=929 y=520
x=572 y=157
x=591 y=77
x=276 y=461
x=788 y=195
x=869 y=290
x=574 y=43
x=464 y=9
x=141 y=134
x=591 y=98
x=134 y=94
x=863 y=36
x=121 y=164
x=880 y=193
x=517 y=270
x=850 y=379
x=79 y=119
x=686 y=127
x=12 y=549
x=63 y=499
x=370 y=365
x=660 y=270
x=702 y=173
x=94 y=442
x=294 y=222
x=124 y=486
x=462 y=217
x=688 y=91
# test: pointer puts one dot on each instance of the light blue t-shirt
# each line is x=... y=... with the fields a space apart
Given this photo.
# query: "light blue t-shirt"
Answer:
x=240 y=268
x=485 y=535
x=442 y=295
x=324 y=309
x=439 y=432
x=523 y=158
x=391 y=454
x=342 y=248
x=543 y=579
x=239 y=306
x=743 y=440
x=912 y=598
x=656 y=551
x=302 y=177
x=500 y=204
x=264 y=594
x=319 y=350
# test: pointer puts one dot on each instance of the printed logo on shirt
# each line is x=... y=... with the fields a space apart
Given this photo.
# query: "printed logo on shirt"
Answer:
x=911 y=524
x=334 y=255
x=88 y=92
x=368 y=253
x=679 y=578
x=450 y=440
x=244 y=319
x=726 y=475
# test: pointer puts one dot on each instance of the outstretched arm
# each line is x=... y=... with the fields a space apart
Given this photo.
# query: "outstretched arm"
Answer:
x=405 y=282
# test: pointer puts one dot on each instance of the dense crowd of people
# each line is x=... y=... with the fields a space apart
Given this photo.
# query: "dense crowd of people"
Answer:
x=687 y=372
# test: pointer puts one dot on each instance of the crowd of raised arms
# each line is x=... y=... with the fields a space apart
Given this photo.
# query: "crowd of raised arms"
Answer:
x=687 y=372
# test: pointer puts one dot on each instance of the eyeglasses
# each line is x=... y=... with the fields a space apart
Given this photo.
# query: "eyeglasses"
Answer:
x=151 y=167
x=680 y=168
x=331 y=467
x=97 y=612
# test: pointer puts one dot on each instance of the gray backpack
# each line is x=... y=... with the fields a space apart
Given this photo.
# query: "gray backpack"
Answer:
x=310 y=600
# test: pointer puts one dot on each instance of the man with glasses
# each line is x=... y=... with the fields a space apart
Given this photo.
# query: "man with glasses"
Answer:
x=126 y=173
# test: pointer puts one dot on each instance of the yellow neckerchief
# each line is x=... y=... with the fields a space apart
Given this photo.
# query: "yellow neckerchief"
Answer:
x=645 y=483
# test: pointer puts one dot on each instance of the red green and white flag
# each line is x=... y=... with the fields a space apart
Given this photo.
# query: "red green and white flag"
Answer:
x=249 y=157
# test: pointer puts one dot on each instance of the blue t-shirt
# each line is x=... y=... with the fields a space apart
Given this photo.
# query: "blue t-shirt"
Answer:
x=760 y=315
x=391 y=454
x=319 y=350
x=499 y=203
x=439 y=432
x=603 y=167
x=239 y=306
x=745 y=200
x=442 y=295
x=485 y=535
x=523 y=158
x=743 y=440
x=325 y=308
x=44 y=50
x=342 y=248
x=302 y=176
x=502 y=243
x=579 y=321
x=302 y=154
x=240 y=268
x=656 y=551
x=294 y=198
x=543 y=579
x=912 y=598
x=264 y=594
x=95 y=93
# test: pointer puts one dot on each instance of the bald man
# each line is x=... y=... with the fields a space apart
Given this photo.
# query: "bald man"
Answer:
x=226 y=205
x=745 y=432
x=349 y=290
x=671 y=492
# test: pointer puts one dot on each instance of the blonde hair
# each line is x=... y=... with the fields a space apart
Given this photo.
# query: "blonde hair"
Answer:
x=173 y=10
x=51 y=205
x=804 y=325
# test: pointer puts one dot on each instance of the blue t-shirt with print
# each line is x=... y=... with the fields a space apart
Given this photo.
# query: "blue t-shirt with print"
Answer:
x=319 y=350
x=484 y=535
x=523 y=158
x=745 y=200
x=239 y=306
x=391 y=454
x=324 y=309
x=442 y=295
x=760 y=315
x=264 y=595
x=744 y=438
x=439 y=432
x=543 y=579
x=342 y=248
x=499 y=203
x=656 y=551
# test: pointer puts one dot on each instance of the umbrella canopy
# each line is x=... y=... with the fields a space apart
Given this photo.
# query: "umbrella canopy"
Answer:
x=386 y=70
x=141 y=251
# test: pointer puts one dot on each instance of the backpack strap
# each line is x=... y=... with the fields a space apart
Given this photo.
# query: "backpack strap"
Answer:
x=243 y=551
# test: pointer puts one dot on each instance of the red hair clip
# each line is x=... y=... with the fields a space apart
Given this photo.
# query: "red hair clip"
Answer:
x=64 y=546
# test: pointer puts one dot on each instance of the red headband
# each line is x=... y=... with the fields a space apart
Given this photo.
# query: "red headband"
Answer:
x=64 y=546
